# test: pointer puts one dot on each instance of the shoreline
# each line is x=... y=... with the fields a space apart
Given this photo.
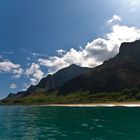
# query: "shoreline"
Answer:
x=96 y=104
x=127 y=104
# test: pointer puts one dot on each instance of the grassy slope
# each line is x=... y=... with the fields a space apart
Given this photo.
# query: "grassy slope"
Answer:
x=75 y=98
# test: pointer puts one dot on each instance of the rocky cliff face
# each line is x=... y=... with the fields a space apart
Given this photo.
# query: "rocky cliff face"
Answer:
x=17 y=95
x=52 y=82
x=122 y=71
x=59 y=78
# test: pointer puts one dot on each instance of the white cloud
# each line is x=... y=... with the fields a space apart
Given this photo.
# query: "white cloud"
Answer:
x=7 y=66
x=96 y=52
x=25 y=86
x=38 y=54
x=13 y=86
x=123 y=34
x=114 y=19
x=55 y=63
x=34 y=73
x=16 y=76
x=34 y=81
x=60 y=52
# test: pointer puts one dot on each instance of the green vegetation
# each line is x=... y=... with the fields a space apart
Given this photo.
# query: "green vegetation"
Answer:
x=126 y=95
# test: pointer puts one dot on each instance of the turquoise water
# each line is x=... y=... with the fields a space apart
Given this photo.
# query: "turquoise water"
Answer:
x=69 y=123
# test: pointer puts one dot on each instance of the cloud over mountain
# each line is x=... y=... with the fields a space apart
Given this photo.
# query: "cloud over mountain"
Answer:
x=13 y=86
x=114 y=19
x=34 y=73
x=95 y=52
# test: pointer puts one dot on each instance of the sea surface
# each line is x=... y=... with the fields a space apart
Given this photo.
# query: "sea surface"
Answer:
x=69 y=123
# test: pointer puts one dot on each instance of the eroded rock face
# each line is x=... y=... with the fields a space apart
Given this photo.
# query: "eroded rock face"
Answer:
x=51 y=82
x=62 y=76
x=17 y=95
x=122 y=71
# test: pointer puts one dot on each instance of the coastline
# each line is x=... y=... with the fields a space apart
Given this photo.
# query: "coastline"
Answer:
x=124 y=104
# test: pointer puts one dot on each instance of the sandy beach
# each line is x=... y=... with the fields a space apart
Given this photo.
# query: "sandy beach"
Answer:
x=127 y=104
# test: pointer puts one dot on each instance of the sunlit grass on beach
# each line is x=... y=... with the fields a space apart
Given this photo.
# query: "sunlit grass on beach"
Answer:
x=75 y=98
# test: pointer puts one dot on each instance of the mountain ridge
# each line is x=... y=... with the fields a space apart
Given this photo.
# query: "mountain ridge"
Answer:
x=52 y=81
x=119 y=72
x=115 y=74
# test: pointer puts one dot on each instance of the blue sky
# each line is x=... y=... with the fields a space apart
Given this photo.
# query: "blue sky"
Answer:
x=42 y=36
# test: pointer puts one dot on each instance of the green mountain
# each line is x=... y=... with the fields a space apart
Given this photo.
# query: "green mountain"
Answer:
x=117 y=79
x=59 y=78
x=52 y=82
x=122 y=71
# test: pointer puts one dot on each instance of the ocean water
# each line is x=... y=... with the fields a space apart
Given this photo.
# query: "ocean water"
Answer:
x=69 y=123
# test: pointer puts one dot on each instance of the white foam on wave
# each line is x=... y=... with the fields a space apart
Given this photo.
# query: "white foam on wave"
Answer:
x=94 y=105
x=131 y=105
x=84 y=105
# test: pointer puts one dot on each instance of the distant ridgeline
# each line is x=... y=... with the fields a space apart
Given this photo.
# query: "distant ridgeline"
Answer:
x=53 y=82
x=119 y=73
